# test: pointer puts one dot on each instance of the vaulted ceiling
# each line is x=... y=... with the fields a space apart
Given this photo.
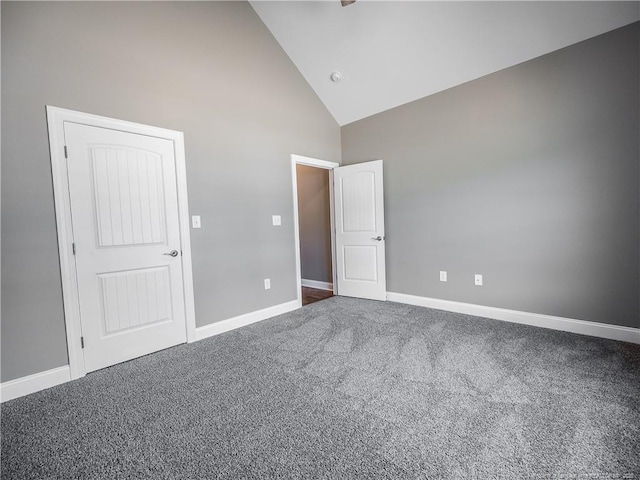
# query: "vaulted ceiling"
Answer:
x=393 y=52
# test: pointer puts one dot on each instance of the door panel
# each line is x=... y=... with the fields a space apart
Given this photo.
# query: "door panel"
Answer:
x=129 y=196
x=360 y=245
x=358 y=202
x=124 y=207
x=360 y=263
x=135 y=298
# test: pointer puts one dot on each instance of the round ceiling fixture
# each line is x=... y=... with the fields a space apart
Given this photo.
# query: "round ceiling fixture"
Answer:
x=335 y=77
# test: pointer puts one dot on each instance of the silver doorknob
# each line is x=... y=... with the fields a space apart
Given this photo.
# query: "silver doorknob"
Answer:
x=172 y=253
x=378 y=238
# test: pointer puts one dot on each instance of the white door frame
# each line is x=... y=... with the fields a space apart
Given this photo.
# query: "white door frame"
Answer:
x=312 y=162
x=56 y=117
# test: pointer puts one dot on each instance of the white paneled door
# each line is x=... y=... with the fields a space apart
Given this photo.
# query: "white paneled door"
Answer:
x=124 y=207
x=360 y=242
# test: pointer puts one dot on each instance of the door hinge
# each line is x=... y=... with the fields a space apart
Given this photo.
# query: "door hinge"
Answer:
x=66 y=153
x=73 y=247
x=81 y=342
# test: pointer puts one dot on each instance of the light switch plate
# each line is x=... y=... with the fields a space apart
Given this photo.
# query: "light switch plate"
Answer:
x=267 y=283
x=195 y=221
x=277 y=221
x=443 y=276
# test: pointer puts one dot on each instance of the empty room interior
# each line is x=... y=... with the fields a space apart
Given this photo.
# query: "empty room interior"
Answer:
x=320 y=239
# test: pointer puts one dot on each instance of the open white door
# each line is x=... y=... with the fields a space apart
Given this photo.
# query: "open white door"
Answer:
x=360 y=243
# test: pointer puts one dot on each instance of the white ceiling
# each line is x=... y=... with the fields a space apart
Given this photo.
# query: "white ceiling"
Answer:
x=394 y=52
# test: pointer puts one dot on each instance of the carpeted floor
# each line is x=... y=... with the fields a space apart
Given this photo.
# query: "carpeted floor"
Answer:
x=344 y=388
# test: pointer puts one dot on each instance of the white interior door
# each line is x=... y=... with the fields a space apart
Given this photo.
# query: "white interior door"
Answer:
x=360 y=243
x=124 y=208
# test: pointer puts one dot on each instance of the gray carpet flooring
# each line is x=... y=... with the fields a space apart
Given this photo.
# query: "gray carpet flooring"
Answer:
x=344 y=388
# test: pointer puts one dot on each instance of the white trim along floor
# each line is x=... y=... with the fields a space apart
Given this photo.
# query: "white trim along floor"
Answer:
x=42 y=380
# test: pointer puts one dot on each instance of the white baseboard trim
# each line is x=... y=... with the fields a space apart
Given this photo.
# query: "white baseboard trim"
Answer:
x=242 y=320
x=317 y=284
x=34 y=383
x=594 y=329
x=56 y=376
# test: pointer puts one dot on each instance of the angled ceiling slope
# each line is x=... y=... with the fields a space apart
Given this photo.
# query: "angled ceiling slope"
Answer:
x=394 y=52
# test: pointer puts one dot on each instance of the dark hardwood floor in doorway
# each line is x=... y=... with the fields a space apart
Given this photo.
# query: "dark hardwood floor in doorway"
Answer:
x=311 y=295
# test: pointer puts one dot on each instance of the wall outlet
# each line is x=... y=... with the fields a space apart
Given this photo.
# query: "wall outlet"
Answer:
x=195 y=221
x=443 y=276
x=478 y=280
x=277 y=221
x=267 y=283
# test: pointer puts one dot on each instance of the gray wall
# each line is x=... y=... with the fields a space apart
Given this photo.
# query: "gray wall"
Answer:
x=529 y=176
x=315 y=223
x=209 y=69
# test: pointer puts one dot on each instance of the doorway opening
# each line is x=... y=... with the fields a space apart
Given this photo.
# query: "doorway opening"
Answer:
x=313 y=205
x=314 y=220
x=356 y=212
